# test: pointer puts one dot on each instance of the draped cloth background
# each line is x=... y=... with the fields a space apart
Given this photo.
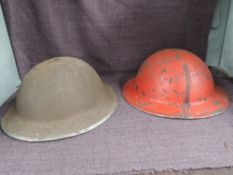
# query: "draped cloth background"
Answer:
x=115 y=36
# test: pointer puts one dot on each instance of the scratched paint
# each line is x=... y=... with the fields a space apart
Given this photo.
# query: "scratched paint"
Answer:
x=175 y=83
x=186 y=103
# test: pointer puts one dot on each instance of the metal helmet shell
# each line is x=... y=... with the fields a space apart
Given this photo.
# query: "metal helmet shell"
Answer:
x=59 y=98
x=175 y=83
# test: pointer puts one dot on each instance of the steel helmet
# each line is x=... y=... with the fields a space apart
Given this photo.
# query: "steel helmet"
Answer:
x=59 y=98
x=175 y=83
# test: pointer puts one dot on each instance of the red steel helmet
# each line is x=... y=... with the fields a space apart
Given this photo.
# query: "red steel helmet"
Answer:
x=175 y=83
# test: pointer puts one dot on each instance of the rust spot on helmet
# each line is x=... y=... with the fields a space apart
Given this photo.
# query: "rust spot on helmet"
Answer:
x=170 y=80
x=177 y=57
x=176 y=93
x=144 y=104
x=217 y=103
x=164 y=70
x=143 y=93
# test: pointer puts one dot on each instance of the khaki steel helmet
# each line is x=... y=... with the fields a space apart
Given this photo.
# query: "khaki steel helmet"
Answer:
x=59 y=98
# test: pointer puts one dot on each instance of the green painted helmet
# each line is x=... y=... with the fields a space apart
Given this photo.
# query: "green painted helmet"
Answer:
x=59 y=98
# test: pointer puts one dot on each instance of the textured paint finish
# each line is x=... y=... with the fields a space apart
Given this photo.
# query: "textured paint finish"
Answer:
x=59 y=98
x=177 y=84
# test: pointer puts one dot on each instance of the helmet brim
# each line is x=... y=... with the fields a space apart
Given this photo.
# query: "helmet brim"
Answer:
x=26 y=129
x=216 y=104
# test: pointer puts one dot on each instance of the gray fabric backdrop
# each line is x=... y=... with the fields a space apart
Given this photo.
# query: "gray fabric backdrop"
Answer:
x=112 y=35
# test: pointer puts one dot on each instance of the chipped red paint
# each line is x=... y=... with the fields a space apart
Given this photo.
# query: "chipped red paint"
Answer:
x=175 y=83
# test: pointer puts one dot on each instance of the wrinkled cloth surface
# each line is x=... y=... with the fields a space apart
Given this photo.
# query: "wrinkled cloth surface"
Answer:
x=111 y=35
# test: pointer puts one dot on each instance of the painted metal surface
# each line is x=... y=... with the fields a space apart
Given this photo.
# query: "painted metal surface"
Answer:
x=59 y=98
x=175 y=83
x=219 y=51
x=9 y=79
